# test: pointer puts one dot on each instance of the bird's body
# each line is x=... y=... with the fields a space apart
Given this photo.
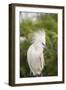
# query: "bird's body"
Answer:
x=35 y=57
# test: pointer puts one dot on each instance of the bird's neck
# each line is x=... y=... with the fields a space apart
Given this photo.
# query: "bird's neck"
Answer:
x=38 y=50
x=38 y=47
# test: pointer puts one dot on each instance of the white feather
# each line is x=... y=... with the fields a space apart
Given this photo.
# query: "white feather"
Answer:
x=39 y=36
x=35 y=55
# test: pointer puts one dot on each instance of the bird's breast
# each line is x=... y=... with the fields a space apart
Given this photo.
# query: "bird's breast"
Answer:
x=36 y=52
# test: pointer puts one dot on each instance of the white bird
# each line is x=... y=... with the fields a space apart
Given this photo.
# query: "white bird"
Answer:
x=35 y=55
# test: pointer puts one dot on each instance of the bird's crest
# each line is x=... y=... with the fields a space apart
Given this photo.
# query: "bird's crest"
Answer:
x=38 y=36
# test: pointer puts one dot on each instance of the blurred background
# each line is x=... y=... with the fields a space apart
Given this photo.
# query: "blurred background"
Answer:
x=29 y=23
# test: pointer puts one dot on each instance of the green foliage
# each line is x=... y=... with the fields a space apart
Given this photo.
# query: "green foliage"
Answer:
x=49 y=23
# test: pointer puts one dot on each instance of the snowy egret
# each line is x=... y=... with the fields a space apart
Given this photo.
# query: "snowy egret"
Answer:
x=35 y=55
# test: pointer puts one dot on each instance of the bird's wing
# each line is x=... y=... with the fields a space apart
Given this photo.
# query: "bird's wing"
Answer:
x=35 y=62
x=30 y=58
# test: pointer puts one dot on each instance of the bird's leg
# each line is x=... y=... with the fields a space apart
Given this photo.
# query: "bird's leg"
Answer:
x=41 y=74
x=31 y=73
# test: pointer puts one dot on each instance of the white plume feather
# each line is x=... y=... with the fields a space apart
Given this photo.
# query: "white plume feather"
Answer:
x=39 y=36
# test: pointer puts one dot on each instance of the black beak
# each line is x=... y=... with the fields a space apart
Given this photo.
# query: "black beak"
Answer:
x=45 y=47
x=43 y=44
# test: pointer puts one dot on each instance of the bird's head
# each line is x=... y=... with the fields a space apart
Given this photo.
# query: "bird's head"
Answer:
x=39 y=38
